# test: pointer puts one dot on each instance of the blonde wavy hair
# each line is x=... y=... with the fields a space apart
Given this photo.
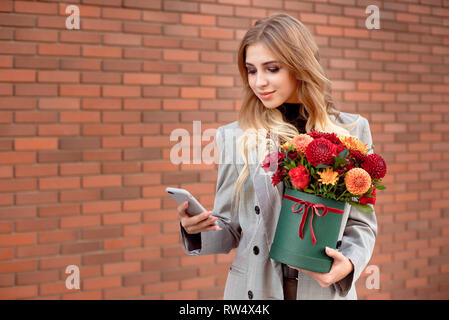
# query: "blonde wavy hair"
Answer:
x=293 y=45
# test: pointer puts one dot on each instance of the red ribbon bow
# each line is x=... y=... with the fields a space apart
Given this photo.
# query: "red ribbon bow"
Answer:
x=305 y=208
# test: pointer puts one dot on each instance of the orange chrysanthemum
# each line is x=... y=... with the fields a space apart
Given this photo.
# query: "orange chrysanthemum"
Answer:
x=357 y=181
x=301 y=142
x=352 y=143
x=328 y=176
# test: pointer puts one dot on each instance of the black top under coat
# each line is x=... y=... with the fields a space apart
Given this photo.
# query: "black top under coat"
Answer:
x=291 y=114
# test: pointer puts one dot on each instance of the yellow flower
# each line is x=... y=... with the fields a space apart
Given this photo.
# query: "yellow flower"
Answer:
x=286 y=146
x=328 y=176
x=352 y=143
x=357 y=181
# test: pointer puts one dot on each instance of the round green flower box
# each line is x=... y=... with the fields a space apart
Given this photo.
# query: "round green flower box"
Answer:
x=289 y=248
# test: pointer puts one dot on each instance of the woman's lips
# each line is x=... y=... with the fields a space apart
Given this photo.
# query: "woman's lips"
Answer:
x=266 y=96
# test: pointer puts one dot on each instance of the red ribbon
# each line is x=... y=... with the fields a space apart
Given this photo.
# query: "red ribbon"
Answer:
x=305 y=208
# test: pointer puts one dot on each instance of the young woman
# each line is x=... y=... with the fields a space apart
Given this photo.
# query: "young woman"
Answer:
x=286 y=92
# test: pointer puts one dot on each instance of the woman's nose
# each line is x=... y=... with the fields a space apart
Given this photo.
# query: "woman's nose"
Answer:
x=261 y=80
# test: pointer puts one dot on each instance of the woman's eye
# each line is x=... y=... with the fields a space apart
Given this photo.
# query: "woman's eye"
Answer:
x=251 y=71
x=273 y=69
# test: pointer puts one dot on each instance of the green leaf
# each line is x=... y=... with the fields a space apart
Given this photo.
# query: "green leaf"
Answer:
x=322 y=166
x=343 y=154
x=361 y=207
x=381 y=187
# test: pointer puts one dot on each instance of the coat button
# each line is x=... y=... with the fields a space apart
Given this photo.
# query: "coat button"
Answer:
x=257 y=209
x=250 y=295
x=256 y=250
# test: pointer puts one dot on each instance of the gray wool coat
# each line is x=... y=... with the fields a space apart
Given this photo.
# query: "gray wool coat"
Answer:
x=253 y=275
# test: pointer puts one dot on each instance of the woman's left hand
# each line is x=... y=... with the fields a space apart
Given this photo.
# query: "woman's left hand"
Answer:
x=341 y=267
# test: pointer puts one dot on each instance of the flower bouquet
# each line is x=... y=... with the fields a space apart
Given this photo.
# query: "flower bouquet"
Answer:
x=321 y=172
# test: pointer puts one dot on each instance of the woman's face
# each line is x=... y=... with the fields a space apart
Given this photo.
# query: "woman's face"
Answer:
x=271 y=82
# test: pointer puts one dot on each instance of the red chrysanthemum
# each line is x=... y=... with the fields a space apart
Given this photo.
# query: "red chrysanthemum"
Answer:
x=357 y=156
x=366 y=200
x=375 y=165
x=278 y=176
x=300 y=177
x=322 y=151
x=332 y=137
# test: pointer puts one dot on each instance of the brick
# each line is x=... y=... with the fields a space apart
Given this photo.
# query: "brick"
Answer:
x=198 y=19
x=58 y=76
x=100 y=233
x=36 y=225
x=58 y=236
x=101 y=207
x=59 y=183
x=36 y=198
x=102 y=25
x=80 y=247
x=121 y=193
x=79 y=222
x=121 y=142
x=143 y=79
x=88 y=295
x=115 y=244
x=83 y=143
x=17 y=76
x=101 y=104
x=118 y=117
x=79 y=169
x=211 y=33
x=6 y=254
x=120 y=293
x=59 y=103
x=163 y=287
x=122 y=40
x=16 y=130
x=19 y=292
x=143 y=229
x=131 y=167
x=217 y=81
x=102 y=258
x=121 y=219
x=101 y=181
x=17 y=239
x=121 y=91
x=59 y=49
x=204 y=93
x=141 y=254
x=79 y=117
x=19 y=185
x=139 y=53
x=17 y=266
x=181 y=55
x=79 y=90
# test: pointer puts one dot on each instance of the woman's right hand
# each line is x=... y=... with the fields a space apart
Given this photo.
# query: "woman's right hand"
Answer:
x=196 y=224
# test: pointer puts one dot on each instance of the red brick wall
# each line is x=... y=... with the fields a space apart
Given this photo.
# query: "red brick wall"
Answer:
x=86 y=115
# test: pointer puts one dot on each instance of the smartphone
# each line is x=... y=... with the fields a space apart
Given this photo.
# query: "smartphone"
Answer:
x=182 y=195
